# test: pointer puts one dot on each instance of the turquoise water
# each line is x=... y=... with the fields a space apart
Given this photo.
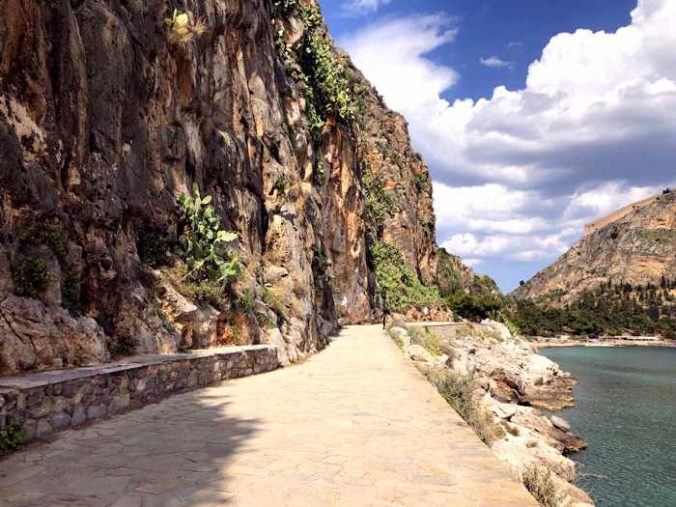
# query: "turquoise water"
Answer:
x=626 y=410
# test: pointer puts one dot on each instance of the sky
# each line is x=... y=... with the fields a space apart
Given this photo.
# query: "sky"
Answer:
x=534 y=117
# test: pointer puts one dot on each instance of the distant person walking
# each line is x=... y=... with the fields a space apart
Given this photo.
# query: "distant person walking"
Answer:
x=386 y=313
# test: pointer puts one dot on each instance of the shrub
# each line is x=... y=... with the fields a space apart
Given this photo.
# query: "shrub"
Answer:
x=276 y=304
x=380 y=203
x=204 y=245
x=397 y=285
x=458 y=391
x=203 y=292
x=428 y=340
x=541 y=485
x=245 y=303
x=184 y=27
x=43 y=234
x=30 y=275
x=11 y=438
x=71 y=287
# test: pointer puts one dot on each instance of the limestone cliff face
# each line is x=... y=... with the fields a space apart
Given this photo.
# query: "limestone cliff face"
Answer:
x=635 y=245
x=105 y=120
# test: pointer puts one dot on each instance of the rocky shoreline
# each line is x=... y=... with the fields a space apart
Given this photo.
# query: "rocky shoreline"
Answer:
x=506 y=392
x=541 y=343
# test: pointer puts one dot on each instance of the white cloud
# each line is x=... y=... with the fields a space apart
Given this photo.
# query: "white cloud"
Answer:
x=495 y=62
x=519 y=173
x=364 y=6
x=391 y=53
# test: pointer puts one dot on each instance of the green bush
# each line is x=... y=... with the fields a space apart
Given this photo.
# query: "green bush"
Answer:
x=30 y=275
x=397 y=285
x=204 y=245
x=476 y=308
x=11 y=438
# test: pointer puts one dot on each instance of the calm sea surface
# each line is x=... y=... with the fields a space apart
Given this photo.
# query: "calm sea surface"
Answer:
x=626 y=410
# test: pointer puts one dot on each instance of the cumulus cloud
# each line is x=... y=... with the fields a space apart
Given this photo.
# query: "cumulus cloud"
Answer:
x=517 y=174
x=364 y=6
x=495 y=62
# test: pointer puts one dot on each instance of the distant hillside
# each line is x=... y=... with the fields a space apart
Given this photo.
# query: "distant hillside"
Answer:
x=454 y=277
x=634 y=246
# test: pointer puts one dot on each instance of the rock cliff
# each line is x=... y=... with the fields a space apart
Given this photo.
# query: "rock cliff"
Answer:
x=635 y=246
x=111 y=110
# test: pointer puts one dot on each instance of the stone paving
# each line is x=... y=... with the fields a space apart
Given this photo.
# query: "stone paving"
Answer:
x=356 y=425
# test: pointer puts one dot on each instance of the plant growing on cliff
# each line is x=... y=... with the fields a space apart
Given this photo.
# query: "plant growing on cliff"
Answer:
x=328 y=92
x=204 y=246
x=30 y=276
x=397 y=285
x=184 y=27
x=380 y=203
x=11 y=438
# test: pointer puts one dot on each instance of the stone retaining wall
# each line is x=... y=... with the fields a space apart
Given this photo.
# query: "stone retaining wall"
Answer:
x=46 y=402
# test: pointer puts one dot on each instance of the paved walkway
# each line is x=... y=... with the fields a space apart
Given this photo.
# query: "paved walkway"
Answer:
x=356 y=425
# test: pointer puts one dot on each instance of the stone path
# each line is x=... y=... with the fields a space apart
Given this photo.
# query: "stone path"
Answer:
x=356 y=425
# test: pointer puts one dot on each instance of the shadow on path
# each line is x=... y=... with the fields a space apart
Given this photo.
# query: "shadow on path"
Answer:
x=174 y=453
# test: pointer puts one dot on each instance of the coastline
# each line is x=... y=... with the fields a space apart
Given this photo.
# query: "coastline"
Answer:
x=515 y=393
x=543 y=343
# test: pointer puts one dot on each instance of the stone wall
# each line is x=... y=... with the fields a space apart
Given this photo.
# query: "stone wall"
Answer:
x=46 y=402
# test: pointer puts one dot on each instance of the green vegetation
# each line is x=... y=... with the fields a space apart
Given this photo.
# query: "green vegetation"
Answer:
x=380 y=203
x=71 y=289
x=458 y=391
x=397 y=285
x=152 y=246
x=476 y=308
x=244 y=303
x=328 y=92
x=276 y=305
x=204 y=245
x=612 y=309
x=541 y=485
x=30 y=272
x=11 y=438
x=204 y=292
x=30 y=275
x=389 y=153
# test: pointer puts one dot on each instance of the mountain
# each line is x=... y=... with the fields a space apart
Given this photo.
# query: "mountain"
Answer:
x=113 y=113
x=455 y=277
x=633 y=247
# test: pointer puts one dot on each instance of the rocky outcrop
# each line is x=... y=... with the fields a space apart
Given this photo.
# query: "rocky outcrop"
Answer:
x=499 y=384
x=632 y=246
x=107 y=117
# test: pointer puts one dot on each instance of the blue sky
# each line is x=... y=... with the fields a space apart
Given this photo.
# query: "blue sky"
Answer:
x=534 y=116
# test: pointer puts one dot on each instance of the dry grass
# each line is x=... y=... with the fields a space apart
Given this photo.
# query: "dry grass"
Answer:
x=458 y=391
x=184 y=27
x=541 y=485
